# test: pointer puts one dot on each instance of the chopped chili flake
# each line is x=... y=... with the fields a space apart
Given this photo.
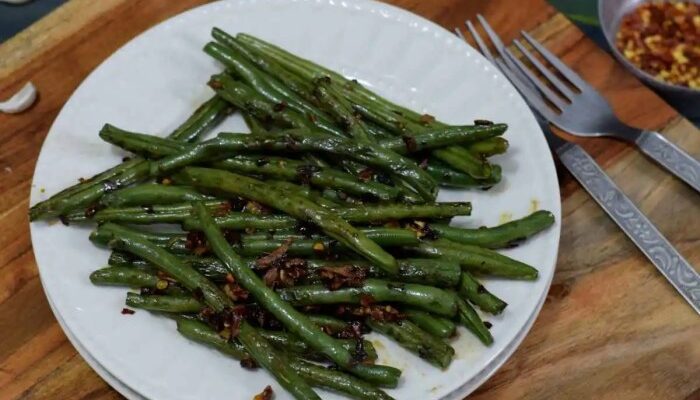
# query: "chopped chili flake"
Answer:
x=128 y=311
x=343 y=276
x=426 y=119
x=266 y=394
x=663 y=39
x=366 y=174
x=215 y=84
x=249 y=363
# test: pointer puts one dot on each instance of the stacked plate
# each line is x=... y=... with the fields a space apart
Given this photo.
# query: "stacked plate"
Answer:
x=157 y=79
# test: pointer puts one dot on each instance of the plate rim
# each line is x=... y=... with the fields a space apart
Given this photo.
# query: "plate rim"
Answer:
x=399 y=15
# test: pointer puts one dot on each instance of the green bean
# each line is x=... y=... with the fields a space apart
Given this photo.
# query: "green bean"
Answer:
x=447 y=176
x=361 y=214
x=200 y=332
x=404 y=168
x=468 y=317
x=477 y=259
x=285 y=341
x=162 y=214
x=124 y=239
x=316 y=375
x=476 y=293
x=329 y=324
x=296 y=206
x=164 y=303
x=425 y=297
x=440 y=273
x=267 y=86
x=356 y=128
x=338 y=381
x=150 y=194
x=462 y=160
x=90 y=190
x=203 y=120
x=256 y=245
x=303 y=191
x=416 y=340
x=489 y=147
x=254 y=124
x=271 y=67
x=404 y=211
x=123 y=276
x=308 y=70
x=298 y=140
x=509 y=234
x=321 y=246
x=275 y=362
x=299 y=171
x=389 y=115
x=292 y=319
x=433 y=324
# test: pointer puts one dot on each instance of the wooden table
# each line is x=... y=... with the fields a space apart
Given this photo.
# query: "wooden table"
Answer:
x=612 y=327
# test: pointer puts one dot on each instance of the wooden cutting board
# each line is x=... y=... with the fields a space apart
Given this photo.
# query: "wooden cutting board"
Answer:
x=612 y=327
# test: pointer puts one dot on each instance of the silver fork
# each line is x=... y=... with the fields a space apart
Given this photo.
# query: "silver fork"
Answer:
x=595 y=181
x=584 y=112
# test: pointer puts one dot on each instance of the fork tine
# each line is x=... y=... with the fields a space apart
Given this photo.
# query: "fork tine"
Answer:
x=498 y=44
x=512 y=73
x=563 y=69
x=482 y=45
x=546 y=91
x=533 y=98
x=561 y=86
x=459 y=34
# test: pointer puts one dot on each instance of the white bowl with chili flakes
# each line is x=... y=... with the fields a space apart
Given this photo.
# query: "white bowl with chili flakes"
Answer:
x=659 y=42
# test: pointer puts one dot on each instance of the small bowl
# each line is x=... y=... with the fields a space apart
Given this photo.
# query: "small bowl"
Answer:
x=610 y=13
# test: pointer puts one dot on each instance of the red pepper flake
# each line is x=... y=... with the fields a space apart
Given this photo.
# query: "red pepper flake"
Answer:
x=249 y=363
x=92 y=210
x=344 y=276
x=410 y=142
x=197 y=243
x=663 y=39
x=366 y=300
x=426 y=119
x=366 y=174
x=128 y=311
x=215 y=84
x=378 y=312
x=266 y=394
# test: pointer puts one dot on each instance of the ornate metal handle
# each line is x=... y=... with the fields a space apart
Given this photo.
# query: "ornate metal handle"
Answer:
x=628 y=217
x=671 y=157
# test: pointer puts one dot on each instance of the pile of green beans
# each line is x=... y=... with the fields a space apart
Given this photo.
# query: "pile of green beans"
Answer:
x=288 y=244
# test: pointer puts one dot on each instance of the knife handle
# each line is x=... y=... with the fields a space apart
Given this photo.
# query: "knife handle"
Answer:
x=630 y=219
x=671 y=157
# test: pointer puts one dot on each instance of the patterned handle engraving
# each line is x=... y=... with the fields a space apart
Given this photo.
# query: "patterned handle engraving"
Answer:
x=625 y=214
x=671 y=157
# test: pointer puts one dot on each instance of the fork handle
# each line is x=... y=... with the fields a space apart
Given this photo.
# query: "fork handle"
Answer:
x=633 y=222
x=671 y=157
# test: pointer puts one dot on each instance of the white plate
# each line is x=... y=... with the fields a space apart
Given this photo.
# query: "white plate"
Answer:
x=156 y=80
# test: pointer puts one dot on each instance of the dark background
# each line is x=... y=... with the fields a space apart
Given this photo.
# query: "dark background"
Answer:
x=14 y=18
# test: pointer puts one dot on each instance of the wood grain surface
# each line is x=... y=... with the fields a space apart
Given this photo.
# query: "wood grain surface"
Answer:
x=612 y=327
